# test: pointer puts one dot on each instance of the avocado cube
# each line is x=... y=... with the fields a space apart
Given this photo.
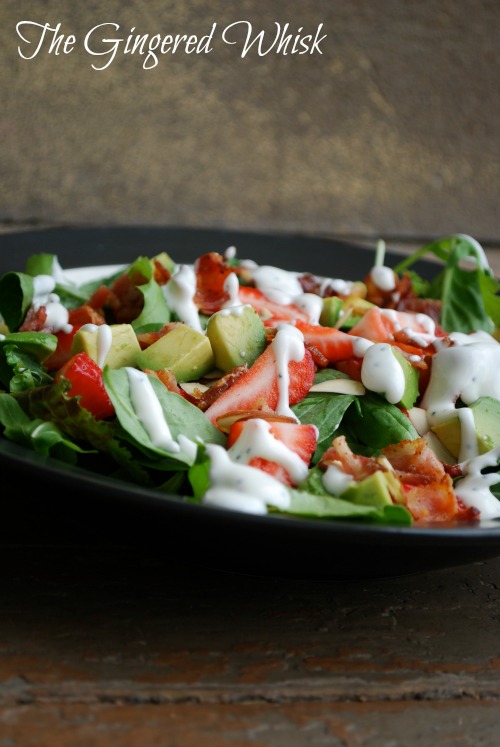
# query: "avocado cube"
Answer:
x=330 y=313
x=185 y=351
x=486 y=413
x=378 y=489
x=122 y=350
x=237 y=336
x=412 y=377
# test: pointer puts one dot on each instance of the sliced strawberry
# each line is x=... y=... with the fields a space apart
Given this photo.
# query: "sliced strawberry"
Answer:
x=334 y=344
x=257 y=388
x=269 y=310
x=299 y=438
x=378 y=326
x=373 y=326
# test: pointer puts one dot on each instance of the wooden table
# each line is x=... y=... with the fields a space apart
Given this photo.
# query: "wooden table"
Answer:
x=108 y=647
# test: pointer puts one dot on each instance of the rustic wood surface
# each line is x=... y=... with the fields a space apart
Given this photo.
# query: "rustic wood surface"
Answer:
x=108 y=647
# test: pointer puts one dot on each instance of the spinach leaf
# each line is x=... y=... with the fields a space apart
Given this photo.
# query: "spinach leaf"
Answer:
x=376 y=423
x=16 y=295
x=326 y=411
x=328 y=507
x=467 y=295
x=155 y=312
x=182 y=417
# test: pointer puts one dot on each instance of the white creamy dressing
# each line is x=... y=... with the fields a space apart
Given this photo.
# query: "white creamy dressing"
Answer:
x=474 y=488
x=381 y=372
x=230 y=253
x=337 y=285
x=236 y=310
x=148 y=409
x=43 y=295
x=256 y=440
x=467 y=372
x=179 y=294
x=420 y=328
x=104 y=338
x=287 y=345
x=383 y=277
x=241 y=487
x=335 y=480
x=283 y=286
x=231 y=287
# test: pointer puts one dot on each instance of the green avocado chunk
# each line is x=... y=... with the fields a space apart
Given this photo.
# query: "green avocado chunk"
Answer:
x=330 y=313
x=378 y=489
x=486 y=413
x=237 y=336
x=122 y=351
x=183 y=350
x=411 y=374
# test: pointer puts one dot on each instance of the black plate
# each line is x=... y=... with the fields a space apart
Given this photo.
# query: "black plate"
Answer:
x=49 y=502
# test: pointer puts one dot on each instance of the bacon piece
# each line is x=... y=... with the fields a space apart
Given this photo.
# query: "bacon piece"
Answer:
x=430 y=306
x=353 y=464
x=99 y=298
x=167 y=378
x=34 y=321
x=85 y=314
x=431 y=499
x=161 y=274
x=211 y=271
x=221 y=385
x=319 y=359
x=125 y=300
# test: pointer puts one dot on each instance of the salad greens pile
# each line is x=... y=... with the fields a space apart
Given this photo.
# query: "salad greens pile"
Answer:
x=38 y=412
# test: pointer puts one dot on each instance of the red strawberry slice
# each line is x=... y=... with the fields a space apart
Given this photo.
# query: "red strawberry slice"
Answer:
x=258 y=388
x=334 y=344
x=265 y=307
x=379 y=327
x=373 y=326
x=299 y=438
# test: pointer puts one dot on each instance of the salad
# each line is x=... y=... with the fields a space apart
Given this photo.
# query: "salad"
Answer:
x=246 y=386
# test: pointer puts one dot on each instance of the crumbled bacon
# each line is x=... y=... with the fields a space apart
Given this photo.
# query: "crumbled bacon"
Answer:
x=211 y=271
x=125 y=300
x=403 y=298
x=212 y=393
x=427 y=485
x=160 y=273
x=319 y=359
x=430 y=306
x=34 y=321
x=430 y=499
x=85 y=314
x=353 y=464
x=311 y=284
x=166 y=377
x=99 y=298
